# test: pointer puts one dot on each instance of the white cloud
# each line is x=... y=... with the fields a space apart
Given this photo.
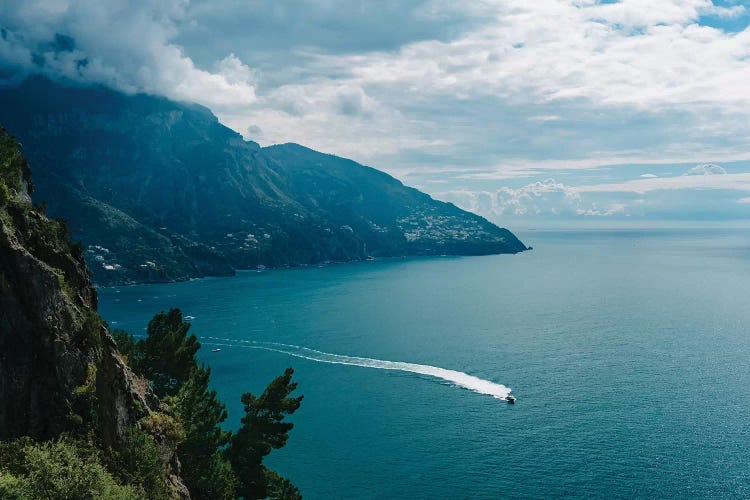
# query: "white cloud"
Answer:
x=126 y=45
x=353 y=101
x=706 y=169
x=725 y=12
x=643 y=13
x=519 y=167
x=655 y=194
x=595 y=211
x=554 y=50
x=483 y=91
x=731 y=182
x=545 y=118
x=235 y=71
x=597 y=61
x=536 y=198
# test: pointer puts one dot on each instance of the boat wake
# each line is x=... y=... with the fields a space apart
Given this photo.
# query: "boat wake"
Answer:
x=454 y=377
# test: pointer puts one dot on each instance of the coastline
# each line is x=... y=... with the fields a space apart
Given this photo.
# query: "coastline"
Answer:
x=304 y=266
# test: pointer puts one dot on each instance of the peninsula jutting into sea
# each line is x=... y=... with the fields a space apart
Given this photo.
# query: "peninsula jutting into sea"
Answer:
x=165 y=192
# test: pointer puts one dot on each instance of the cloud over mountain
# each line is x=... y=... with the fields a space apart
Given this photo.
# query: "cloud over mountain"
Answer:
x=126 y=45
x=468 y=94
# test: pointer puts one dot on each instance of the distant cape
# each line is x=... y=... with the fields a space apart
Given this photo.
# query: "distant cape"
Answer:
x=161 y=191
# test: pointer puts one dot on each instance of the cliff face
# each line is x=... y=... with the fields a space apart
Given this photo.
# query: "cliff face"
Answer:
x=60 y=371
x=56 y=356
x=159 y=191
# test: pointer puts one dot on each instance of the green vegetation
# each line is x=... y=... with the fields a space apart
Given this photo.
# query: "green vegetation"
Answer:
x=139 y=463
x=215 y=463
x=206 y=470
x=62 y=469
x=263 y=430
x=163 y=423
x=5 y=194
x=102 y=431
x=64 y=286
x=84 y=405
x=93 y=326
x=167 y=333
x=13 y=165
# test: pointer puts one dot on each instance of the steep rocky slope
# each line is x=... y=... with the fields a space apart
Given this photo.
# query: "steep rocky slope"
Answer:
x=60 y=371
x=159 y=190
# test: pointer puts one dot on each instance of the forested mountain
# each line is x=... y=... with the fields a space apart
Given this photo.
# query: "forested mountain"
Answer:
x=159 y=190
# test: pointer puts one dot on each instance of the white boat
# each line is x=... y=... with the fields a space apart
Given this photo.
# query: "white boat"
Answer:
x=189 y=318
x=510 y=399
x=215 y=350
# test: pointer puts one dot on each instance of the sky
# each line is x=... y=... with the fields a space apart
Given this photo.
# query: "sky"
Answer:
x=531 y=113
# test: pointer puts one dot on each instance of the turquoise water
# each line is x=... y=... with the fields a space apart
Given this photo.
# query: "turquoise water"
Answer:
x=628 y=351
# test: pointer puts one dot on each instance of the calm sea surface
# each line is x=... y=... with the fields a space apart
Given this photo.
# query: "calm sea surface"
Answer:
x=629 y=352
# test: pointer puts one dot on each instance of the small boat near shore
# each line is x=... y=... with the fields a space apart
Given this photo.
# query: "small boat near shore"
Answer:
x=215 y=350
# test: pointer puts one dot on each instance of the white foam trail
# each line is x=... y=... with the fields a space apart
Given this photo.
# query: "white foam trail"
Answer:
x=457 y=378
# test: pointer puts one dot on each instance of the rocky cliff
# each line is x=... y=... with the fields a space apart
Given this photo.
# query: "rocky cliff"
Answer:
x=60 y=371
x=159 y=191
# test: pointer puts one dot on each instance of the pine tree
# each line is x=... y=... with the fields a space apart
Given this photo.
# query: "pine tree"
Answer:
x=215 y=463
x=205 y=469
x=167 y=356
x=263 y=430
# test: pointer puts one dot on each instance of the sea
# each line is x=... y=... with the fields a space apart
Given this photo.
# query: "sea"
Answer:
x=628 y=352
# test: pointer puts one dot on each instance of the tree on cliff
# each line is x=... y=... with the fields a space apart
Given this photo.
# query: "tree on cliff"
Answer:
x=263 y=430
x=216 y=464
x=206 y=470
x=166 y=357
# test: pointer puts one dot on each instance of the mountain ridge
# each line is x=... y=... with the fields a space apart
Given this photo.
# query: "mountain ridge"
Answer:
x=162 y=191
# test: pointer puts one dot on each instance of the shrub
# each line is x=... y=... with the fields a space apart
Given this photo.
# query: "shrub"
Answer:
x=13 y=166
x=5 y=194
x=64 y=469
x=65 y=288
x=163 y=424
x=84 y=402
x=139 y=463
x=92 y=329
